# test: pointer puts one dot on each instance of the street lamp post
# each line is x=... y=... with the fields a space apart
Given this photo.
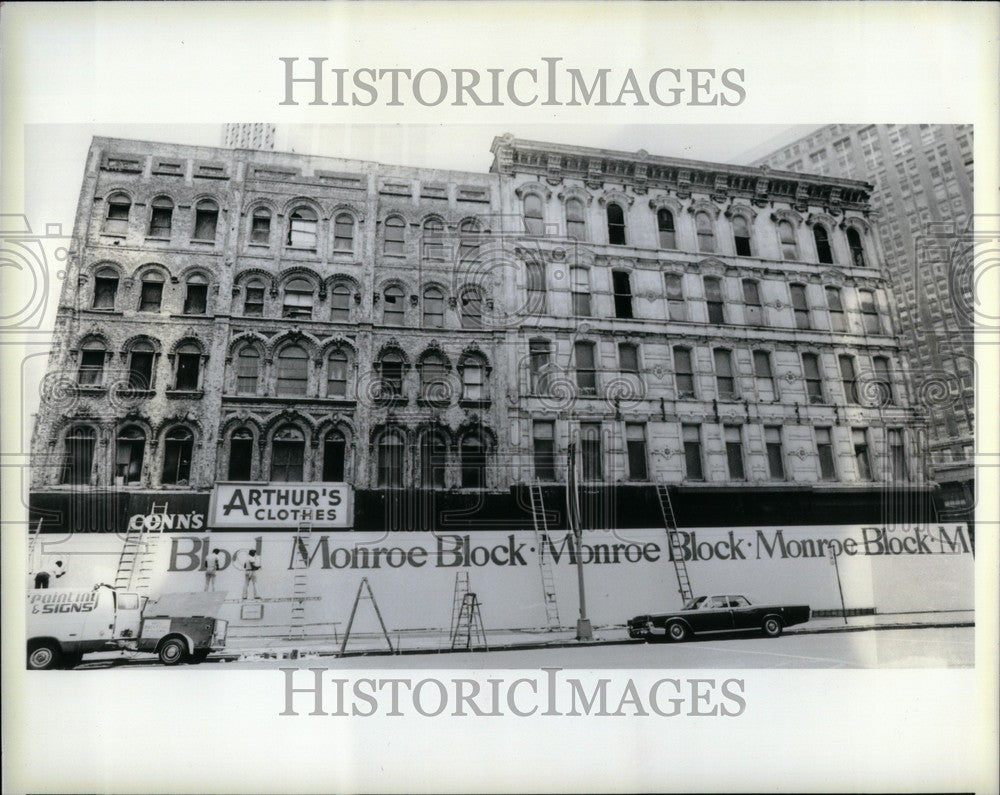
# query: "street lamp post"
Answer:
x=583 y=629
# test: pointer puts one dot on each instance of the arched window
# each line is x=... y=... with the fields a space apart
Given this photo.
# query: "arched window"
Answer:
x=473 y=453
x=786 y=235
x=340 y=303
x=196 y=295
x=78 y=457
x=665 y=226
x=298 y=300
x=334 y=456
x=472 y=308
x=178 y=448
x=336 y=374
x=129 y=453
x=390 y=460
x=293 y=371
x=343 y=233
x=393 y=307
x=822 y=238
x=247 y=370
x=105 y=288
x=535 y=275
x=151 y=292
x=116 y=221
x=395 y=235
x=391 y=373
x=161 y=217
x=434 y=380
x=433 y=239
x=741 y=236
x=433 y=460
x=302 y=228
x=253 y=300
x=260 y=226
x=616 y=225
x=856 y=247
x=188 y=367
x=433 y=308
x=534 y=223
x=92 y=356
x=576 y=220
x=206 y=220
x=288 y=450
x=469 y=240
x=140 y=366
x=241 y=455
x=706 y=231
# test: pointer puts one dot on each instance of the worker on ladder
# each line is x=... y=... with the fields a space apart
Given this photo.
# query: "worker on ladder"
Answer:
x=250 y=568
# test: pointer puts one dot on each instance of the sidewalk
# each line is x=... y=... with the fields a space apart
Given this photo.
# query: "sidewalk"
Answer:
x=437 y=641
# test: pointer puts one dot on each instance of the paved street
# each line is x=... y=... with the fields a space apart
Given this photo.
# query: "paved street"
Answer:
x=912 y=647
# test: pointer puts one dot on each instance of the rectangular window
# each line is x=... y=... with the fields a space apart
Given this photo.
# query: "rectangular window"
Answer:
x=724 y=381
x=240 y=458
x=683 y=373
x=635 y=443
x=676 y=305
x=91 y=368
x=814 y=382
x=884 y=380
x=752 y=309
x=196 y=299
x=834 y=302
x=151 y=297
x=713 y=299
x=775 y=457
x=734 y=452
x=539 y=352
x=848 y=377
x=590 y=451
x=623 y=293
x=536 y=288
x=628 y=357
x=824 y=451
x=581 y=291
x=253 y=306
x=800 y=306
x=869 y=312
x=247 y=367
x=472 y=382
x=864 y=464
x=543 y=434
x=140 y=370
x=336 y=382
x=897 y=454
x=586 y=375
x=104 y=292
x=692 y=452
x=160 y=221
x=260 y=229
x=767 y=389
x=188 y=365
x=205 y=221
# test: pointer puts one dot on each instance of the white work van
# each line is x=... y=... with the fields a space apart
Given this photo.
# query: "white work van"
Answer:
x=63 y=625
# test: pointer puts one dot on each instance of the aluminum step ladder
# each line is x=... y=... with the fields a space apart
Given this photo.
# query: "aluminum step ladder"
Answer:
x=674 y=542
x=544 y=562
x=135 y=564
x=469 y=630
x=300 y=581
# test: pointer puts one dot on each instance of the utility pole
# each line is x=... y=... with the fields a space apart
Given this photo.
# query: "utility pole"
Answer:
x=583 y=628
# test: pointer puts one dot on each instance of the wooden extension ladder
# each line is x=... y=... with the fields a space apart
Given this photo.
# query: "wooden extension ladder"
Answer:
x=674 y=542
x=544 y=559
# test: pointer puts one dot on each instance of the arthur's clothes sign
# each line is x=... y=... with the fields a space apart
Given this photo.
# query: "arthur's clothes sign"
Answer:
x=274 y=505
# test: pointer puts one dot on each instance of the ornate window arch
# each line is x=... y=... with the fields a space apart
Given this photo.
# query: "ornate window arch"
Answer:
x=394 y=304
x=433 y=446
x=161 y=217
x=178 y=455
x=390 y=453
x=241 y=453
x=93 y=356
x=533 y=196
x=394 y=235
x=130 y=451
x=107 y=277
x=188 y=358
x=337 y=447
x=433 y=303
x=345 y=225
x=261 y=218
x=474 y=370
x=206 y=220
x=298 y=296
x=303 y=227
x=196 y=285
x=79 y=447
x=288 y=454
x=141 y=354
x=339 y=364
x=116 y=218
x=249 y=358
x=435 y=384
x=391 y=366
x=292 y=369
x=152 y=281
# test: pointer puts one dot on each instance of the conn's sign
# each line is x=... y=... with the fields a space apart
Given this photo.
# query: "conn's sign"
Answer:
x=322 y=505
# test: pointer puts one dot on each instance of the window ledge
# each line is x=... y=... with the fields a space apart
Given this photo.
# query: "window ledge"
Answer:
x=134 y=392
x=119 y=235
x=156 y=238
x=301 y=249
x=185 y=394
x=474 y=404
x=433 y=403
x=203 y=241
x=258 y=245
x=91 y=389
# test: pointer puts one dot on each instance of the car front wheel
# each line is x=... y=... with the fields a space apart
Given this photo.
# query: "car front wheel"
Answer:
x=172 y=652
x=772 y=626
x=677 y=631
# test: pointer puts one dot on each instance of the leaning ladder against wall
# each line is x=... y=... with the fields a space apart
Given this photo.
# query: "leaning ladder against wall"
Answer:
x=674 y=542
x=544 y=562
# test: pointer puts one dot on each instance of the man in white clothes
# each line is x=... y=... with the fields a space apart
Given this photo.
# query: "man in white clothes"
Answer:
x=250 y=568
x=213 y=564
x=47 y=573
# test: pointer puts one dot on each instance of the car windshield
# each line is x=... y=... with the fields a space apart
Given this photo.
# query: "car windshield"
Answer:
x=695 y=603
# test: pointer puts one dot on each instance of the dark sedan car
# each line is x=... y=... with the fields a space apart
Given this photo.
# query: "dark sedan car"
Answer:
x=721 y=613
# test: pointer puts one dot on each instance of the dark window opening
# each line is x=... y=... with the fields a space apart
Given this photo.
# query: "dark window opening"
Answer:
x=622 y=286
